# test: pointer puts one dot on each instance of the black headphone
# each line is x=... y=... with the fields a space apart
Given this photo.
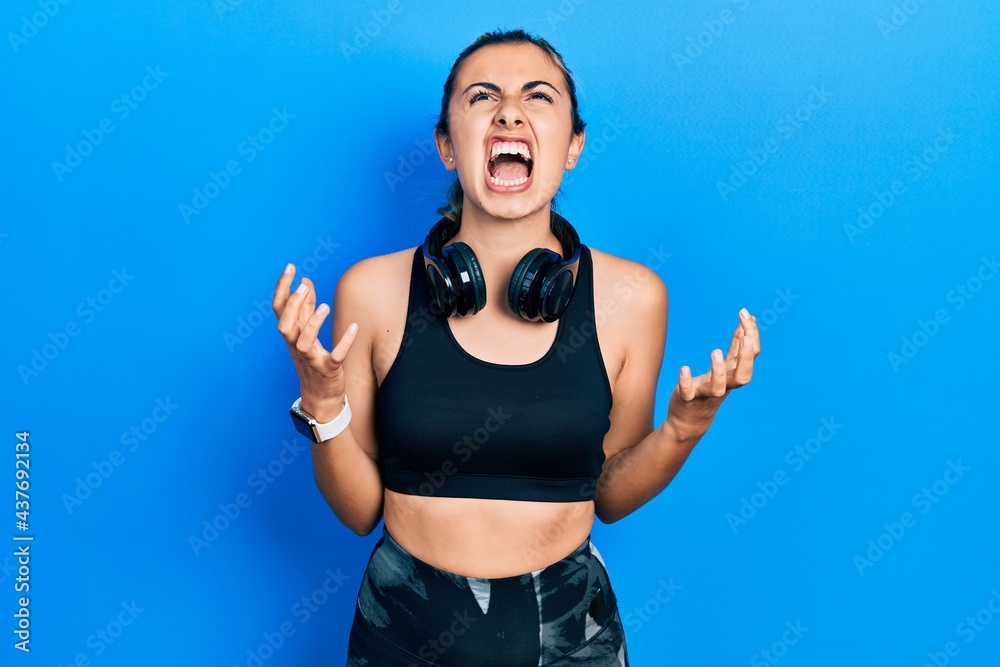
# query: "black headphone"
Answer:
x=540 y=286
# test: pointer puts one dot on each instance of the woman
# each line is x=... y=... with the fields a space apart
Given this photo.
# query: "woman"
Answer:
x=490 y=442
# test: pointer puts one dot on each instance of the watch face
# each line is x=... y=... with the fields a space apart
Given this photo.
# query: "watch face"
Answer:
x=303 y=427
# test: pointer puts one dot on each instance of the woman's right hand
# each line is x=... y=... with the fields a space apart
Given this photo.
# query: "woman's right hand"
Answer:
x=321 y=375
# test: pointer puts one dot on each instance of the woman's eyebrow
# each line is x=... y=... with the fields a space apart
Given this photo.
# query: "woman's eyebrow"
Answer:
x=525 y=88
x=485 y=84
x=534 y=84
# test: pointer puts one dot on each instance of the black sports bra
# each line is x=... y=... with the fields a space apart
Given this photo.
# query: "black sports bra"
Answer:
x=449 y=424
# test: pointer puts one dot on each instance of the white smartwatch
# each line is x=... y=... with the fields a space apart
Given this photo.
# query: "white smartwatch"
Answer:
x=316 y=432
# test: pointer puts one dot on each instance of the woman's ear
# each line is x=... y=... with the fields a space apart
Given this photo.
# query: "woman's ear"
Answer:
x=445 y=150
x=575 y=148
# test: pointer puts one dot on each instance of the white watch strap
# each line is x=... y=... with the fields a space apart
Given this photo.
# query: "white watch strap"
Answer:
x=331 y=429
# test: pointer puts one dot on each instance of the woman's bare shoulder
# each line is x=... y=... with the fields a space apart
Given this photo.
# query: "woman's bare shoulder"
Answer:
x=378 y=286
x=617 y=279
x=385 y=270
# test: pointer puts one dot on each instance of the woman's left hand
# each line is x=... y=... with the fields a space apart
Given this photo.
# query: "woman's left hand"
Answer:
x=695 y=400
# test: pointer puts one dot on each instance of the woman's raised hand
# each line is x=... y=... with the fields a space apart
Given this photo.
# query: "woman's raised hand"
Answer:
x=321 y=376
x=696 y=399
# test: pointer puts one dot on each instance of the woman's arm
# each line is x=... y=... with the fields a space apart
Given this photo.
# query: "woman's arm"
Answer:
x=345 y=466
x=641 y=461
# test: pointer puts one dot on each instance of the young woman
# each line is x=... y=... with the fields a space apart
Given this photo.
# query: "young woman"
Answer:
x=501 y=382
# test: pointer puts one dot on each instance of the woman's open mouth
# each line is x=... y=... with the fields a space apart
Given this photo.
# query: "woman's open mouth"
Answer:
x=509 y=166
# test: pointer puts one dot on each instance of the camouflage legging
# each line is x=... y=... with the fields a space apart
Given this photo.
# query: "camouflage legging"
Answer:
x=411 y=614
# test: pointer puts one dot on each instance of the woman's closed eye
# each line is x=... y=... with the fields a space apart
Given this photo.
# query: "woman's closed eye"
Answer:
x=485 y=94
x=477 y=95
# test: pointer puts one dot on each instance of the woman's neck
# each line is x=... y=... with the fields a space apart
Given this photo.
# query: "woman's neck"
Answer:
x=504 y=239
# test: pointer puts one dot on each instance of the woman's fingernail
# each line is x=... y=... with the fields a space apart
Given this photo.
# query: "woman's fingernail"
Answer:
x=353 y=328
x=744 y=312
x=717 y=355
x=301 y=288
x=288 y=268
x=685 y=372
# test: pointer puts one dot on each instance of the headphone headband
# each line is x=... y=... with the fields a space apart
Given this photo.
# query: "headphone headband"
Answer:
x=570 y=241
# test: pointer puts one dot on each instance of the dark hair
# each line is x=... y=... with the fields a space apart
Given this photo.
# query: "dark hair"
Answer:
x=453 y=207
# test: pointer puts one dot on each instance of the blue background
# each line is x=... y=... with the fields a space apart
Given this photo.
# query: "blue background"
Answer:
x=678 y=99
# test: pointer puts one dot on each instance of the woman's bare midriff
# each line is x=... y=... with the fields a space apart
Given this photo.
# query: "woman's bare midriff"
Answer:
x=486 y=538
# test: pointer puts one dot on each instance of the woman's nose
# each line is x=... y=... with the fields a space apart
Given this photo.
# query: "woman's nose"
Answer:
x=509 y=113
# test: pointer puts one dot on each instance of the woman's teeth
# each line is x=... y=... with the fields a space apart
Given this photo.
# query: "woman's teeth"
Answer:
x=507 y=182
x=518 y=148
x=510 y=148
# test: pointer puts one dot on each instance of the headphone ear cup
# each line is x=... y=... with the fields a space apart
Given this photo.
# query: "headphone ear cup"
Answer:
x=525 y=286
x=556 y=292
x=441 y=287
x=469 y=282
